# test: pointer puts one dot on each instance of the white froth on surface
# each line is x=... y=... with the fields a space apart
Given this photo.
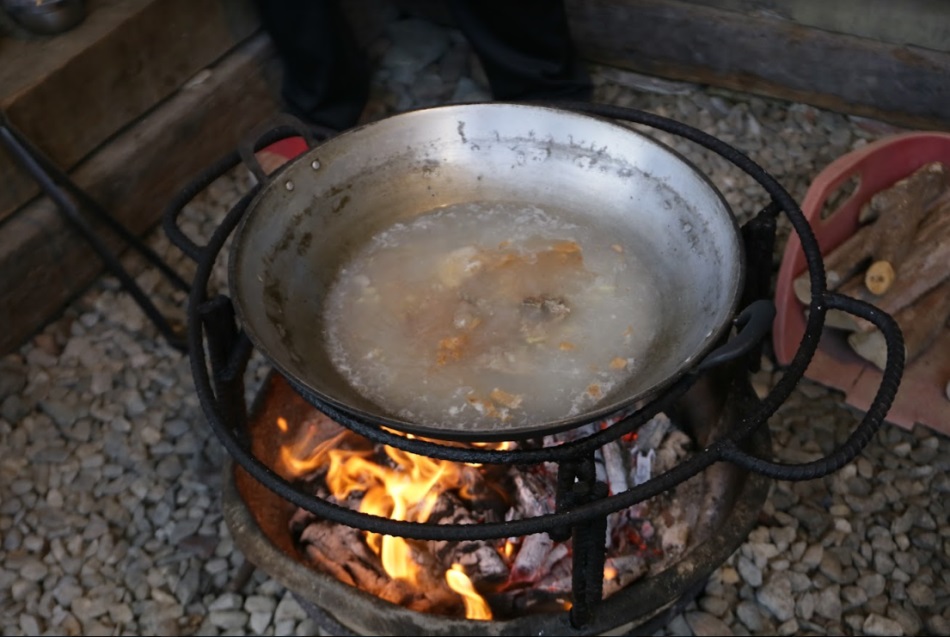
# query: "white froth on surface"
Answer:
x=490 y=315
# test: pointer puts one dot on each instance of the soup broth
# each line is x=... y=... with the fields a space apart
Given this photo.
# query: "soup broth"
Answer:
x=492 y=314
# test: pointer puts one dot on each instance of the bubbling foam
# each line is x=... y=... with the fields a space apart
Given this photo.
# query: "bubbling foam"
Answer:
x=480 y=315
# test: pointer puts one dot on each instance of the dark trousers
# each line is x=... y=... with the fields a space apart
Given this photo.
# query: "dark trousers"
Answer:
x=525 y=48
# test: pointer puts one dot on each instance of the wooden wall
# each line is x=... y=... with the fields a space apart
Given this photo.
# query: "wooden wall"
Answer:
x=111 y=102
x=752 y=46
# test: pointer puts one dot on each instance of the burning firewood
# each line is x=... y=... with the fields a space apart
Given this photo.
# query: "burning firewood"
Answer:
x=523 y=601
x=652 y=433
x=557 y=570
x=480 y=559
x=531 y=557
x=324 y=543
x=615 y=467
x=907 y=238
x=342 y=552
x=524 y=574
x=530 y=501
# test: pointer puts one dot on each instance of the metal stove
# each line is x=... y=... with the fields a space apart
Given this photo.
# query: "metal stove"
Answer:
x=733 y=432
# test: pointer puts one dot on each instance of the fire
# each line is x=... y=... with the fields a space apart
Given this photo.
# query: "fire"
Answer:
x=406 y=491
x=305 y=452
x=531 y=573
x=475 y=605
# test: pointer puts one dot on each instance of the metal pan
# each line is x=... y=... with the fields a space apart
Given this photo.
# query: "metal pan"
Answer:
x=327 y=202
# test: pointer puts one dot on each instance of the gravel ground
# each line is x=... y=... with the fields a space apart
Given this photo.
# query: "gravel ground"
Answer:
x=110 y=479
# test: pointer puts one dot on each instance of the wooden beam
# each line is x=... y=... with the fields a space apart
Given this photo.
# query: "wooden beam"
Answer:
x=44 y=264
x=767 y=56
x=923 y=23
x=72 y=92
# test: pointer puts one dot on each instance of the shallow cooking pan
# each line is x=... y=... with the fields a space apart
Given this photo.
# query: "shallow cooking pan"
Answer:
x=325 y=204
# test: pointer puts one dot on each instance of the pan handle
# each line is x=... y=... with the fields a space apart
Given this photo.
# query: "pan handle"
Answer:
x=280 y=126
x=873 y=417
x=185 y=196
x=272 y=130
x=753 y=323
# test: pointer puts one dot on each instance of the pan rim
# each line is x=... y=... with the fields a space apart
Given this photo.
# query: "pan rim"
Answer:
x=605 y=409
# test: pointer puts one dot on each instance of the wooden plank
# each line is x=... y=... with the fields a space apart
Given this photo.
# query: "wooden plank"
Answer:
x=70 y=93
x=668 y=38
x=923 y=23
x=44 y=263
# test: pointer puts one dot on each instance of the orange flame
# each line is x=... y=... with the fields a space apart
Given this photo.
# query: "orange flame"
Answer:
x=407 y=491
x=475 y=605
x=305 y=452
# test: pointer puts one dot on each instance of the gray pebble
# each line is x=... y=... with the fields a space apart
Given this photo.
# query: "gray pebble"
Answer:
x=33 y=570
x=908 y=619
x=751 y=616
x=751 y=573
x=906 y=562
x=714 y=605
x=872 y=583
x=86 y=609
x=227 y=601
x=883 y=563
x=877 y=625
x=853 y=597
x=938 y=625
x=228 y=619
x=703 y=625
x=289 y=609
x=259 y=604
x=830 y=567
x=67 y=590
x=828 y=603
x=920 y=594
x=259 y=622
x=776 y=596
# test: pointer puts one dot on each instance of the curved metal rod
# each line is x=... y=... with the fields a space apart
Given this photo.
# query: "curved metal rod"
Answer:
x=568 y=450
x=417 y=530
x=48 y=178
x=871 y=422
x=177 y=204
x=725 y=449
x=288 y=127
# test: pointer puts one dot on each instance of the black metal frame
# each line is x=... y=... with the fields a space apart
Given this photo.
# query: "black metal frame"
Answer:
x=582 y=502
x=72 y=201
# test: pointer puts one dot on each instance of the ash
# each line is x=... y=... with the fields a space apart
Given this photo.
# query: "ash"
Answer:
x=110 y=479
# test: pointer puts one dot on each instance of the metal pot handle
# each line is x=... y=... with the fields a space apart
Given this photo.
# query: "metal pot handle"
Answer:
x=177 y=204
x=753 y=323
x=280 y=127
x=872 y=420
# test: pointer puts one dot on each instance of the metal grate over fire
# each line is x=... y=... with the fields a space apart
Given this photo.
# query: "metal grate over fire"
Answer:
x=603 y=521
